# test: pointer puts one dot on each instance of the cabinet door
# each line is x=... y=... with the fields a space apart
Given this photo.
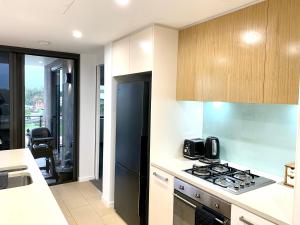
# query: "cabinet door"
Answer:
x=223 y=59
x=242 y=217
x=283 y=52
x=186 y=65
x=161 y=197
x=120 y=57
x=212 y=61
x=246 y=32
x=141 y=50
x=231 y=55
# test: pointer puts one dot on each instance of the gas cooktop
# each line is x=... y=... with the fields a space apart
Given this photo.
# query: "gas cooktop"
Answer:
x=230 y=179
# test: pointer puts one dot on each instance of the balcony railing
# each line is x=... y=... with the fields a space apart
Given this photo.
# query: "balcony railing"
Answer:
x=34 y=122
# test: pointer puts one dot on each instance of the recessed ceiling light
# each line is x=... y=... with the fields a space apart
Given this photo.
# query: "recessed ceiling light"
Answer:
x=122 y=2
x=43 y=42
x=77 y=34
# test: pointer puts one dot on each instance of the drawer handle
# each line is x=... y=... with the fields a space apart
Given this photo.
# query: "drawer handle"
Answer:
x=160 y=177
x=242 y=219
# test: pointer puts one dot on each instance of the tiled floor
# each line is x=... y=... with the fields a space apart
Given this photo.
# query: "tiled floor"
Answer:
x=81 y=204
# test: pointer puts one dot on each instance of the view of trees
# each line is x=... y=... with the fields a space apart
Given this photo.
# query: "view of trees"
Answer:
x=33 y=95
x=34 y=107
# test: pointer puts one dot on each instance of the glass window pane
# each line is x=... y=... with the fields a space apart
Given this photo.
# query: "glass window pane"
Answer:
x=4 y=102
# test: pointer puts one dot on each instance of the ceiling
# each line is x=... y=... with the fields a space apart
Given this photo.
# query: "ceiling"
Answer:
x=24 y=23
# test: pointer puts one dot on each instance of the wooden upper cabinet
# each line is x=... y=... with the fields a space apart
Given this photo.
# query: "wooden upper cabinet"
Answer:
x=245 y=32
x=212 y=56
x=251 y=56
x=223 y=59
x=186 y=66
x=282 y=52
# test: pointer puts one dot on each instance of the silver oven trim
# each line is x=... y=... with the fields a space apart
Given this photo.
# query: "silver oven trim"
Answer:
x=203 y=198
x=225 y=222
x=185 y=201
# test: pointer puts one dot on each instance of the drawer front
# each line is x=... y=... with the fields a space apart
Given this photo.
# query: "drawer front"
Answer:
x=290 y=180
x=240 y=216
x=161 y=197
x=291 y=172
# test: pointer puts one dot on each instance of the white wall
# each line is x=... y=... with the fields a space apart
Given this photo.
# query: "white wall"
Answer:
x=171 y=121
x=296 y=216
x=87 y=123
x=109 y=129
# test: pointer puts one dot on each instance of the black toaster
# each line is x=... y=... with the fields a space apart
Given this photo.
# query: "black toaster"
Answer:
x=193 y=148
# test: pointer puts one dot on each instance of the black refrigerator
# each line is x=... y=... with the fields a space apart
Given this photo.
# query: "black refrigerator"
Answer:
x=132 y=151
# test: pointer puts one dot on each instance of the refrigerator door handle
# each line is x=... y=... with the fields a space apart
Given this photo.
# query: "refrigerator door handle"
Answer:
x=139 y=199
x=142 y=173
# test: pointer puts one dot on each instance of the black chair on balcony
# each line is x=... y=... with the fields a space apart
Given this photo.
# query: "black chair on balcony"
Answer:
x=41 y=144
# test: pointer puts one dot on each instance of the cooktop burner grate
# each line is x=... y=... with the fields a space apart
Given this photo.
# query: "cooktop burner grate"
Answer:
x=229 y=178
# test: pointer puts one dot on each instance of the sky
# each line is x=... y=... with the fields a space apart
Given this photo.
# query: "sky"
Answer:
x=4 y=79
x=34 y=77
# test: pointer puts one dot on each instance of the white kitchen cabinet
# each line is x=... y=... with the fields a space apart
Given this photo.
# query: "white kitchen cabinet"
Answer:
x=120 y=57
x=141 y=49
x=133 y=54
x=242 y=217
x=161 y=197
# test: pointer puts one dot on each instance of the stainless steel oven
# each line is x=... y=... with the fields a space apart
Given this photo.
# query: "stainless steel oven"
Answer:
x=186 y=200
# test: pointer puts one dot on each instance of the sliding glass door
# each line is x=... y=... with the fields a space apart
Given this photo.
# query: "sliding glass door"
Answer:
x=11 y=100
x=39 y=89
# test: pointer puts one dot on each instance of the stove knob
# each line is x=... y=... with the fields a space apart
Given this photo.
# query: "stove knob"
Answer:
x=236 y=187
x=247 y=183
x=197 y=195
x=252 y=181
x=242 y=185
x=181 y=187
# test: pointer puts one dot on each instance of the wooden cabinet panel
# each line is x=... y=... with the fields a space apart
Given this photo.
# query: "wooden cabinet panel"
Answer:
x=245 y=32
x=213 y=55
x=141 y=50
x=223 y=59
x=241 y=217
x=120 y=57
x=282 y=52
x=186 y=65
x=230 y=65
x=161 y=197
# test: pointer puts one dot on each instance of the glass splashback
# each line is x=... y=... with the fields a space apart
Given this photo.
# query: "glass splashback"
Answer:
x=262 y=137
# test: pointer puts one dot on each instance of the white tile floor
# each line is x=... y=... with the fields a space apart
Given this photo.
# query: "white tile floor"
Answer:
x=81 y=204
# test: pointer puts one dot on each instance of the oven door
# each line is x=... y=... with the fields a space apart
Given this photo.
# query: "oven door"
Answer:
x=185 y=209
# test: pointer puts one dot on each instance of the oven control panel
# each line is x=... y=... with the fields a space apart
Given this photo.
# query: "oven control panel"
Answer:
x=203 y=197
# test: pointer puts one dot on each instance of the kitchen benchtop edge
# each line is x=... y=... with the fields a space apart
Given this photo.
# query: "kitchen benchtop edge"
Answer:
x=33 y=204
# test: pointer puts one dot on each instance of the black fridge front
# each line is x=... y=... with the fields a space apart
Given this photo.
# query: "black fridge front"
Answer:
x=132 y=151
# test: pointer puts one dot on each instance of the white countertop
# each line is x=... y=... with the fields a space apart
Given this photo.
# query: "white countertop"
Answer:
x=273 y=202
x=33 y=204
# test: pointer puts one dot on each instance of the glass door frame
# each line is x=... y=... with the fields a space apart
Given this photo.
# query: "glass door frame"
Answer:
x=17 y=95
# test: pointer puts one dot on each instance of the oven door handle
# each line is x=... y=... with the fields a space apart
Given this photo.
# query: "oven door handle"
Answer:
x=185 y=201
x=225 y=222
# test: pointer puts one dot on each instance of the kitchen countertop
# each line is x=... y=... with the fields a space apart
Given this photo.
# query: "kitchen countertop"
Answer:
x=33 y=204
x=273 y=202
